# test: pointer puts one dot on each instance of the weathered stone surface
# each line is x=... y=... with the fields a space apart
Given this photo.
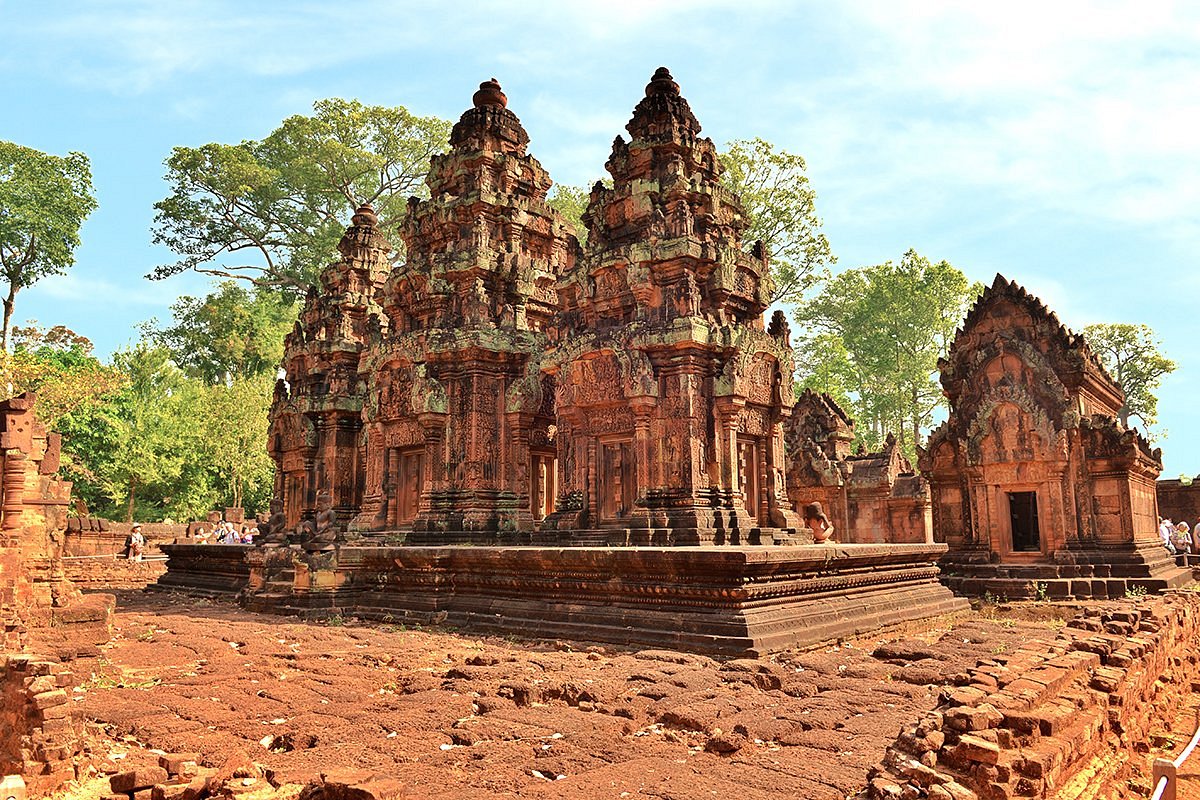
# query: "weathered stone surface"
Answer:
x=136 y=779
x=1035 y=483
x=869 y=497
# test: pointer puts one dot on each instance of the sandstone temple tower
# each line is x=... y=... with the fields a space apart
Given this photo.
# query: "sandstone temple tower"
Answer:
x=669 y=393
x=1032 y=477
x=457 y=422
x=316 y=418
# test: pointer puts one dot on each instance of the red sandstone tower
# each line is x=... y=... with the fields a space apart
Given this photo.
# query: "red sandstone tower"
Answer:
x=669 y=393
x=458 y=426
x=317 y=412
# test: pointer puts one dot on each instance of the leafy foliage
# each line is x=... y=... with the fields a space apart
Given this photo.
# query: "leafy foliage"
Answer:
x=1131 y=355
x=571 y=202
x=781 y=205
x=873 y=338
x=44 y=200
x=232 y=334
x=285 y=200
x=59 y=366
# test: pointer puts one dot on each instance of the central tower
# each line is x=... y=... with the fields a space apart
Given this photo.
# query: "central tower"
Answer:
x=669 y=392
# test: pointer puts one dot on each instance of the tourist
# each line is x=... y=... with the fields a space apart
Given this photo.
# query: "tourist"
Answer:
x=137 y=543
x=1182 y=538
x=1166 y=530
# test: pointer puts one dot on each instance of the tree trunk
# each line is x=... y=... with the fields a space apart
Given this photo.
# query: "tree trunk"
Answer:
x=9 y=303
x=1123 y=415
x=129 y=508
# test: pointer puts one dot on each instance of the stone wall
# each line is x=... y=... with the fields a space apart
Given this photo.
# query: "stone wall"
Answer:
x=1179 y=502
x=97 y=573
x=1022 y=723
x=106 y=538
x=38 y=739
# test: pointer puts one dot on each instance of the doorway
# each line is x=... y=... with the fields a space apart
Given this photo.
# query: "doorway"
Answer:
x=617 y=480
x=1023 y=516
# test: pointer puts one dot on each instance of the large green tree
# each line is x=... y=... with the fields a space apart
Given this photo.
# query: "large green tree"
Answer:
x=781 y=205
x=873 y=335
x=271 y=211
x=44 y=200
x=1131 y=355
x=130 y=454
x=232 y=333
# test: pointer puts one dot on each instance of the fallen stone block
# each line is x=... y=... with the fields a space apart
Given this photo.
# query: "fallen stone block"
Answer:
x=137 y=779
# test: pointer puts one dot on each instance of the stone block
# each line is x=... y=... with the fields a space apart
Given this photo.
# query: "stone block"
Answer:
x=134 y=780
x=48 y=699
x=173 y=762
x=973 y=748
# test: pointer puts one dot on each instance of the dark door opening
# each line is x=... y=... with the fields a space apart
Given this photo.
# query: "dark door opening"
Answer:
x=1024 y=516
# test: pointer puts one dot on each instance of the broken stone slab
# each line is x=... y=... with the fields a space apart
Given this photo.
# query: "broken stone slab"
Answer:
x=137 y=779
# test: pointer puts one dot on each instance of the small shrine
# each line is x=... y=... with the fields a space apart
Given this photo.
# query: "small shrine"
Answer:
x=1033 y=479
x=869 y=497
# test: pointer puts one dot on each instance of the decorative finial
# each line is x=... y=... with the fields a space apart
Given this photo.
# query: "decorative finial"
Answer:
x=662 y=83
x=365 y=216
x=489 y=94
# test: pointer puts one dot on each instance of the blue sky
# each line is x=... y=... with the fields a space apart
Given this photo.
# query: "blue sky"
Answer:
x=1053 y=142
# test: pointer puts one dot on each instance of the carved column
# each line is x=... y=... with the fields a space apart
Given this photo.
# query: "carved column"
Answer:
x=642 y=409
x=14 y=488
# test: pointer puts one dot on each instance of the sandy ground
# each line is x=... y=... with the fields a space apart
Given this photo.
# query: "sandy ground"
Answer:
x=454 y=716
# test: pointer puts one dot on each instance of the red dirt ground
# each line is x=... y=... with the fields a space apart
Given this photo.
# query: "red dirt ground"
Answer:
x=454 y=716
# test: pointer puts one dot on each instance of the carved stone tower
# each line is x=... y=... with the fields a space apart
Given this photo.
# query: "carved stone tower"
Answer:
x=458 y=425
x=316 y=417
x=670 y=393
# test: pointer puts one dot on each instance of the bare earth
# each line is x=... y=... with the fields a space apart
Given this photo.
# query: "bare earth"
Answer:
x=455 y=716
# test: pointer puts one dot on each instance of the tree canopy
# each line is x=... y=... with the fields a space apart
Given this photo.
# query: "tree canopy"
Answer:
x=271 y=211
x=232 y=333
x=872 y=338
x=781 y=205
x=1131 y=355
x=44 y=200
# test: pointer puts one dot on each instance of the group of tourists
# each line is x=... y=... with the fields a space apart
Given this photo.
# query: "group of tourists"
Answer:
x=1177 y=537
x=228 y=533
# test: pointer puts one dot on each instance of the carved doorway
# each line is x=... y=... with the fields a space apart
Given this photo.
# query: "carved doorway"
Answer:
x=409 y=471
x=617 y=480
x=1023 y=516
x=543 y=485
x=748 y=475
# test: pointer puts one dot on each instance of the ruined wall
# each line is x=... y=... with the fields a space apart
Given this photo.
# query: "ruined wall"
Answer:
x=101 y=573
x=1178 y=502
x=1024 y=722
x=38 y=739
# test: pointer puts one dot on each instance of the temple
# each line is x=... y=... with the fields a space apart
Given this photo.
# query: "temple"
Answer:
x=605 y=426
x=1036 y=487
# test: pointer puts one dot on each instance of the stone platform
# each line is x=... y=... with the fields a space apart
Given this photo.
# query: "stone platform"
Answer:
x=736 y=601
x=1095 y=573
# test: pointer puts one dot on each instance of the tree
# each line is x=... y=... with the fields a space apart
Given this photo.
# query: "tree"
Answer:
x=59 y=366
x=233 y=333
x=44 y=200
x=235 y=420
x=286 y=200
x=876 y=333
x=1131 y=355
x=781 y=206
x=131 y=452
x=571 y=202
